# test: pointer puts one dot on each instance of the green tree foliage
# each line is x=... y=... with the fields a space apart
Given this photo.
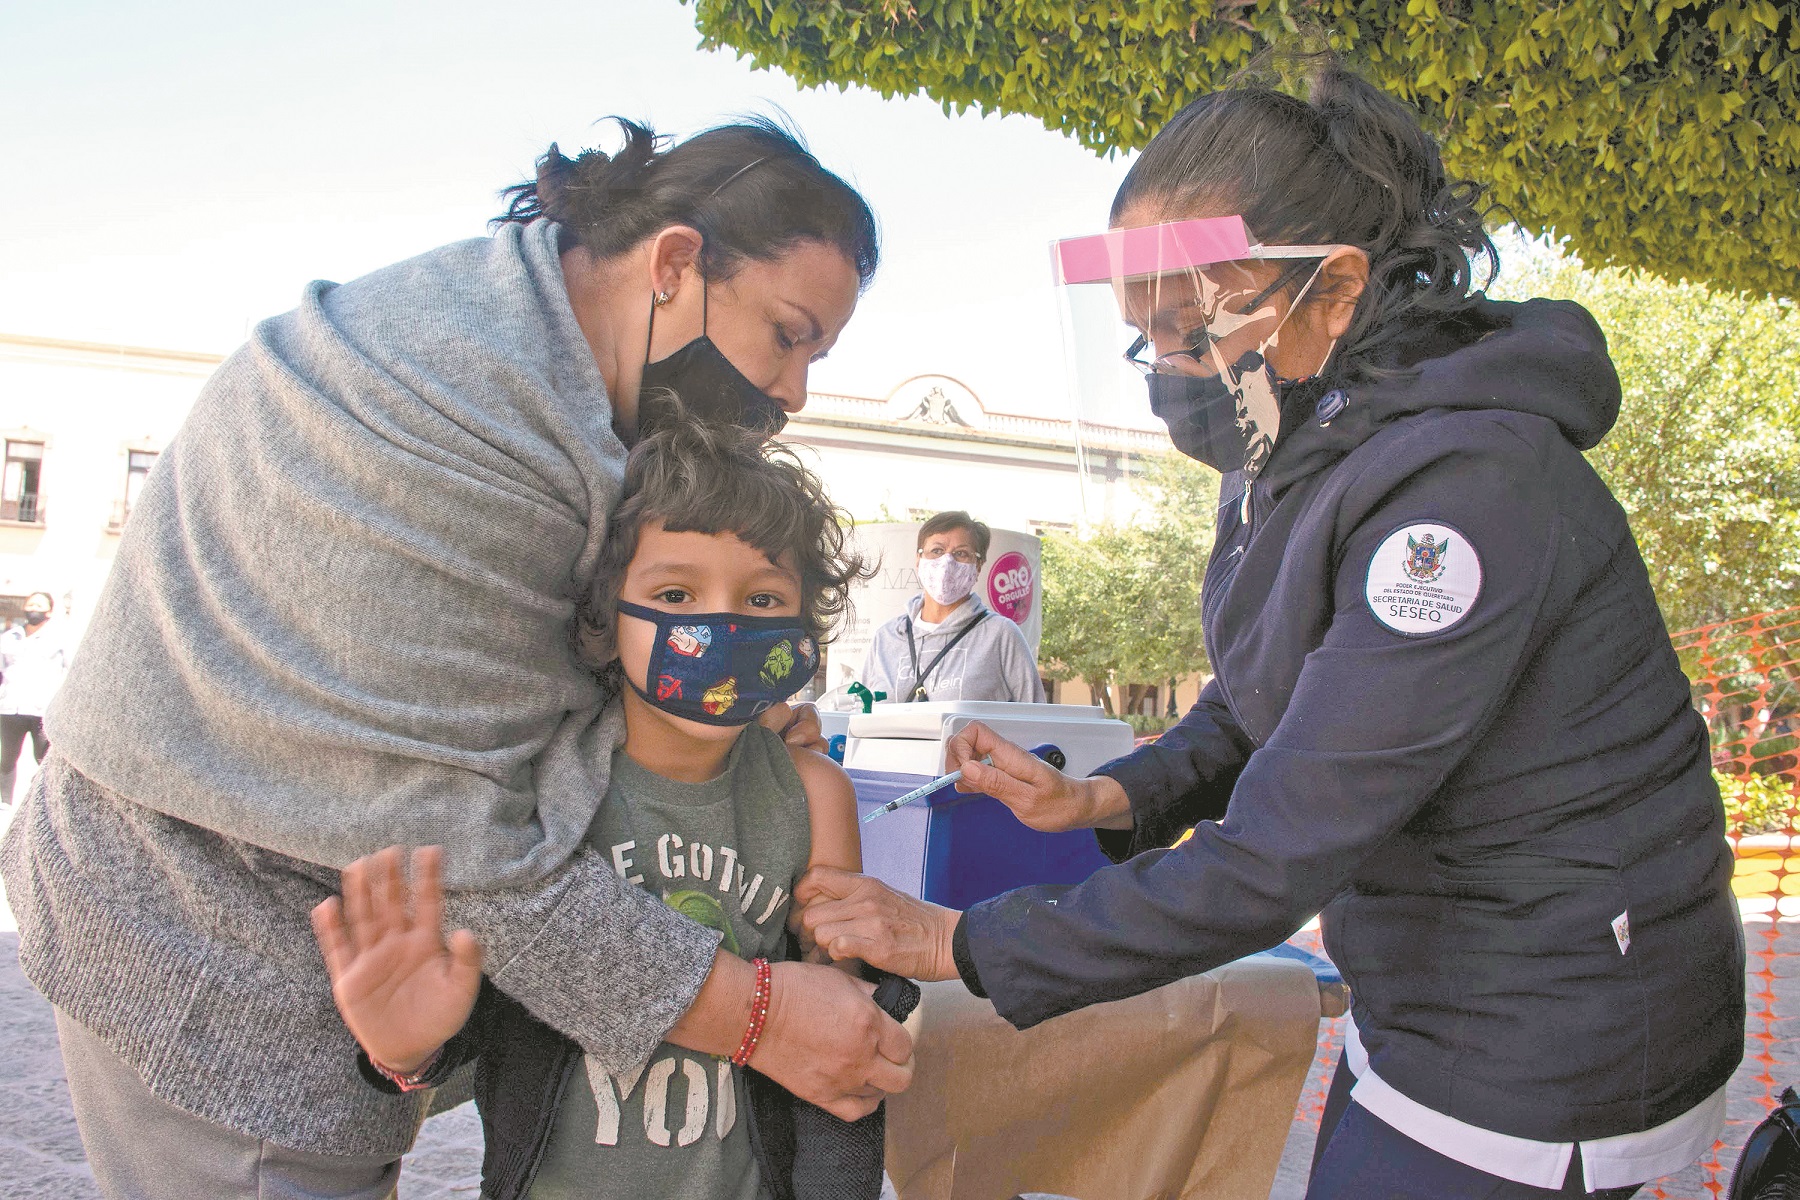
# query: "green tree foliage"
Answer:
x=1086 y=590
x=1705 y=457
x=1659 y=134
x=1122 y=605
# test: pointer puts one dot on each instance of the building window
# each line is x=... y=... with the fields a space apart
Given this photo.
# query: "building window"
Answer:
x=19 y=496
x=137 y=470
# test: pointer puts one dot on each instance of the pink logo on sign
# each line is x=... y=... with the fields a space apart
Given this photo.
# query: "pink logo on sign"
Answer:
x=1011 y=586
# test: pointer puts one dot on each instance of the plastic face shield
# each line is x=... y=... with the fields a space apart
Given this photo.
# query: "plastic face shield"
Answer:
x=1196 y=298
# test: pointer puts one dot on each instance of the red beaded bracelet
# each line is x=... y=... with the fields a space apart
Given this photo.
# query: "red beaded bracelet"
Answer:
x=759 y=1012
x=413 y=1080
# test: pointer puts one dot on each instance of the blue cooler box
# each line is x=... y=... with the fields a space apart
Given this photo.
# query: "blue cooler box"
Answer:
x=956 y=849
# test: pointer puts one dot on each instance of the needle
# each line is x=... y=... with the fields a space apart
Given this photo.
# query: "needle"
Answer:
x=924 y=789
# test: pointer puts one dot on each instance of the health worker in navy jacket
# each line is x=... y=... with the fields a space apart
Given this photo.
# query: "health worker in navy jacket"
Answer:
x=1446 y=713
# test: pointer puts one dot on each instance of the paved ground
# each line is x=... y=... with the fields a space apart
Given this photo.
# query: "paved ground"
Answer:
x=41 y=1156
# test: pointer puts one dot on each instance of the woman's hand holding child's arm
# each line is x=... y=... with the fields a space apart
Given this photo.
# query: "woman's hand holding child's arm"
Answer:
x=850 y=916
x=797 y=723
x=824 y=1040
x=402 y=990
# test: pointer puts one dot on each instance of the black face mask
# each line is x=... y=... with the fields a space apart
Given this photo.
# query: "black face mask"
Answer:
x=709 y=387
x=1209 y=419
x=36 y=618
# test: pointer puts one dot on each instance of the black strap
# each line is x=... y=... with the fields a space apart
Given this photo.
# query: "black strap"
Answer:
x=912 y=649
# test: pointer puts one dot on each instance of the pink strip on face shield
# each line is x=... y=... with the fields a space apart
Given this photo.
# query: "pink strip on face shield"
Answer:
x=1151 y=250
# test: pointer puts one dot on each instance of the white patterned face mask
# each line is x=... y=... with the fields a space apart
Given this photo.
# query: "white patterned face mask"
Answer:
x=946 y=580
x=1224 y=412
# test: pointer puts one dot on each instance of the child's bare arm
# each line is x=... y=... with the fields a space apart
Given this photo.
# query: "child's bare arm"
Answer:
x=401 y=989
x=836 y=836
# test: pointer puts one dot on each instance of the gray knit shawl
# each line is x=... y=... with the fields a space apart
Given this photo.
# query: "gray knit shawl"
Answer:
x=340 y=618
x=340 y=615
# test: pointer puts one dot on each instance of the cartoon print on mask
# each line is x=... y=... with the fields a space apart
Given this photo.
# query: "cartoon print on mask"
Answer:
x=722 y=668
x=691 y=640
x=1258 y=410
x=1425 y=557
x=779 y=664
x=720 y=696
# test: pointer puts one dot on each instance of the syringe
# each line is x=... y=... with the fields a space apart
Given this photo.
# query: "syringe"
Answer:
x=1049 y=753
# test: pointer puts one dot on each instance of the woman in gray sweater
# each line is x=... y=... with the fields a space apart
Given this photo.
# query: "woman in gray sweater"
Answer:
x=341 y=620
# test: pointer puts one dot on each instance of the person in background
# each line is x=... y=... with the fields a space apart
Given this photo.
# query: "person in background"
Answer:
x=948 y=645
x=33 y=661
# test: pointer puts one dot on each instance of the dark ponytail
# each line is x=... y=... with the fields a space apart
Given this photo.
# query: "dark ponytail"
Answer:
x=1348 y=165
x=751 y=188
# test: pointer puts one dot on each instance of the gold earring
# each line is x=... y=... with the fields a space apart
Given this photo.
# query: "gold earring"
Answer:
x=660 y=299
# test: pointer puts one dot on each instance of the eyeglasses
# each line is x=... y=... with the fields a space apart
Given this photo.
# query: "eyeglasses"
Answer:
x=962 y=556
x=1161 y=364
x=1134 y=355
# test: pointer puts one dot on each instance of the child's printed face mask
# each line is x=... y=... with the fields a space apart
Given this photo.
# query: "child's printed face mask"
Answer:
x=722 y=668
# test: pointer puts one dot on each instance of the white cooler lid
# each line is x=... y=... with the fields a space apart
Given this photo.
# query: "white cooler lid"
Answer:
x=925 y=720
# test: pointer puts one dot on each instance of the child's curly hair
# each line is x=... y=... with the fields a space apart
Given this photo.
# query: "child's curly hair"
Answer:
x=697 y=477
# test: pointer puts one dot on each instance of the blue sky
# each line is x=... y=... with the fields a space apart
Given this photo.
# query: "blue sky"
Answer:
x=169 y=174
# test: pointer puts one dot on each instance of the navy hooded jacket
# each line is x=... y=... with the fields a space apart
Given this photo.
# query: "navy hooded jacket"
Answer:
x=1475 y=754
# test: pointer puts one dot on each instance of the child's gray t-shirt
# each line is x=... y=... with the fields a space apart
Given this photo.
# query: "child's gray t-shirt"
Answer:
x=725 y=853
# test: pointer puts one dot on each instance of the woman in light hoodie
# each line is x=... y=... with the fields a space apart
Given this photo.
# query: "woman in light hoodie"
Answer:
x=948 y=645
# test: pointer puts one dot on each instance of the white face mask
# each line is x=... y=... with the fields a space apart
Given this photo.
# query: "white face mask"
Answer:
x=946 y=580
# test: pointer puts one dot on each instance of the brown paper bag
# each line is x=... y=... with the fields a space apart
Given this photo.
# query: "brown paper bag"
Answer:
x=1187 y=1091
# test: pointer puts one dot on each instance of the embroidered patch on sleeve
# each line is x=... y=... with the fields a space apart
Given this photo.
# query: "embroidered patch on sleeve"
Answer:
x=1423 y=579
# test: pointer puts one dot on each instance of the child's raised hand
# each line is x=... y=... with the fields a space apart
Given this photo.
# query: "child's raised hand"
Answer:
x=401 y=989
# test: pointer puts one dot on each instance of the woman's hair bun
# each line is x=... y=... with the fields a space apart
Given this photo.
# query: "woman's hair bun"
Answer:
x=567 y=187
x=751 y=188
x=554 y=171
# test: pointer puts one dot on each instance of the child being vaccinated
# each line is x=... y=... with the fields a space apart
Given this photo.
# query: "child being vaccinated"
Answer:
x=724 y=565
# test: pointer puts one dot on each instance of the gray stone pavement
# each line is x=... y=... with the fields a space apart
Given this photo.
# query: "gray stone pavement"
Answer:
x=40 y=1151
x=41 y=1156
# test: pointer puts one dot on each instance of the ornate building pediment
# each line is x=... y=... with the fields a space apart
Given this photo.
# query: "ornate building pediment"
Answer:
x=935 y=400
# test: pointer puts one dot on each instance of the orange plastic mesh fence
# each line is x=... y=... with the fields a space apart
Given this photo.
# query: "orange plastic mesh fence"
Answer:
x=1746 y=680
